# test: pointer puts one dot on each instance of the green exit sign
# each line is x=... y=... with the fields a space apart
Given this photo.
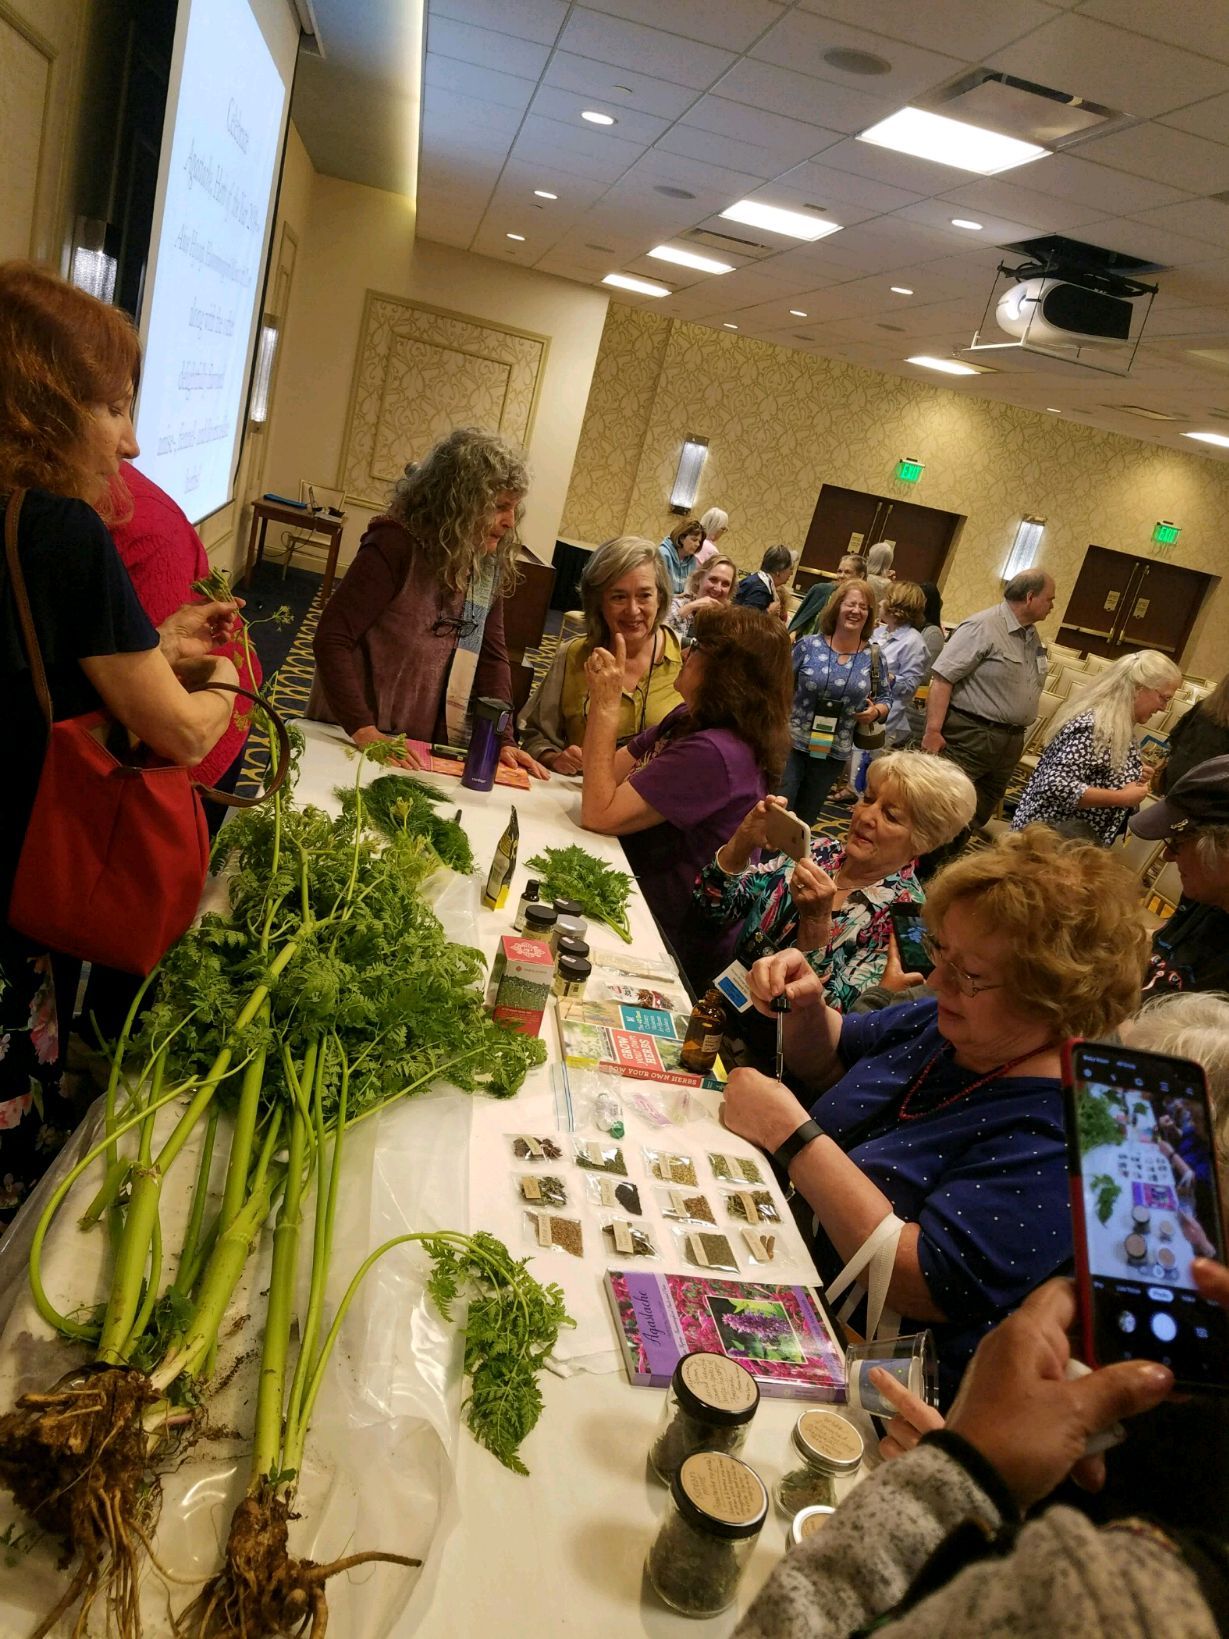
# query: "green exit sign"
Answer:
x=1165 y=534
x=910 y=471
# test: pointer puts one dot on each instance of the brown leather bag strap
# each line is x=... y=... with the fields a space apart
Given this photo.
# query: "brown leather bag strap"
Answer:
x=228 y=798
x=34 y=653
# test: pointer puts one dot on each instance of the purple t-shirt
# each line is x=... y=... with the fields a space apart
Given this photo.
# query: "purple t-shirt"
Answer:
x=701 y=785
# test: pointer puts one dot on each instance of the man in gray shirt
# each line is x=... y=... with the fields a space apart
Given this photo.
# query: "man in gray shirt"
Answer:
x=986 y=686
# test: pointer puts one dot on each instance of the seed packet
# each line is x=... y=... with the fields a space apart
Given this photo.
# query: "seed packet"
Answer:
x=549 y=1229
x=542 y=1189
x=705 y=1249
x=688 y=1205
x=753 y=1206
x=761 y=1246
x=670 y=1168
x=623 y=1239
x=531 y=1147
x=614 y=1193
x=600 y=1155
x=735 y=1169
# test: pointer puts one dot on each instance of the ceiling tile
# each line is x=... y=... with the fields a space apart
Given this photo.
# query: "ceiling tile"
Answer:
x=441 y=107
x=641 y=91
x=442 y=132
x=1209 y=118
x=1201 y=322
x=1086 y=58
x=980 y=26
x=575 y=193
x=938 y=213
x=1198 y=25
x=824 y=186
x=802 y=97
x=467 y=80
x=731 y=24
x=796 y=199
x=630 y=45
x=792 y=140
x=800 y=40
x=726 y=151
x=538 y=20
x=552 y=102
x=922 y=177
x=1199 y=218
x=714 y=185
x=604 y=157
x=1073 y=178
x=486 y=47
x=1146 y=240
x=1041 y=211
x=1164 y=155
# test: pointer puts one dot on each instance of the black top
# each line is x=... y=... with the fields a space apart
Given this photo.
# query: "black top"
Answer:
x=83 y=605
x=1190 y=951
x=1192 y=740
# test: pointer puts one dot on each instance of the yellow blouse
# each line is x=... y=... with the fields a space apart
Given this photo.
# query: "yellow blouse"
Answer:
x=654 y=697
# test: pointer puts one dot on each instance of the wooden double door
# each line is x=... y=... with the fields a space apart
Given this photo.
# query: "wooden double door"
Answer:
x=1121 y=602
x=853 y=520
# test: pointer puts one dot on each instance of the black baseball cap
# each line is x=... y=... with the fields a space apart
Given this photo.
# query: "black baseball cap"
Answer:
x=1200 y=797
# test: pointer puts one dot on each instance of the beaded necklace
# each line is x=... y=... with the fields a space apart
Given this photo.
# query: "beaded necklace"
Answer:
x=919 y=1081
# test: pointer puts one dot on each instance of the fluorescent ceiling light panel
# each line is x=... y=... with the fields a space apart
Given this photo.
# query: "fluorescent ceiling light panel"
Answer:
x=951 y=142
x=1210 y=438
x=793 y=224
x=642 y=287
x=689 y=258
x=949 y=367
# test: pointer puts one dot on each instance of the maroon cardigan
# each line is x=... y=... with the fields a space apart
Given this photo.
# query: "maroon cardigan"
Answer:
x=378 y=663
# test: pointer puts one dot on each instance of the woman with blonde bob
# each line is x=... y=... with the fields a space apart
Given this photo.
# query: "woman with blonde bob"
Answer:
x=947 y=1113
x=1090 y=777
x=835 y=904
x=415 y=631
x=708 y=586
x=624 y=591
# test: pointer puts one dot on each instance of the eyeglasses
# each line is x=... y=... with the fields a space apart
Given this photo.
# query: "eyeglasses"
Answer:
x=455 y=626
x=965 y=983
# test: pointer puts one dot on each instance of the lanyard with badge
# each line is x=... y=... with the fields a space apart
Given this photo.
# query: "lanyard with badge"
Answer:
x=822 y=734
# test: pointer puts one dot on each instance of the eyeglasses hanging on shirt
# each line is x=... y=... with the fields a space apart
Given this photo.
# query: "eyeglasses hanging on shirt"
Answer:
x=457 y=627
x=640 y=693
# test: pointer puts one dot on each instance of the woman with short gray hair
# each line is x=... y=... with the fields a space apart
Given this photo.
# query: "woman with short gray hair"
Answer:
x=714 y=523
x=624 y=591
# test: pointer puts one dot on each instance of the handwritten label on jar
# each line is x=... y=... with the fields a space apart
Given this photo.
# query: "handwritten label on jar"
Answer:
x=723 y=1487
x=718 y=1382
x=831 y=1436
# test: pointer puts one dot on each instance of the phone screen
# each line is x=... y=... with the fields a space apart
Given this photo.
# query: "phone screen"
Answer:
x=1145 y=1202
x=908 y=926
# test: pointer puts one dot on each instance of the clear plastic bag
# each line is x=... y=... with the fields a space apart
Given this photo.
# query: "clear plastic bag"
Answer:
x=552 y=1231
x=671 y=1168
x=600 y=1155
x=546 y=1189
x=751 y=1206
x=623 y=1238
x=614 y=1193
x=686 y=1205
x=735 y=1169
x=706 y=1249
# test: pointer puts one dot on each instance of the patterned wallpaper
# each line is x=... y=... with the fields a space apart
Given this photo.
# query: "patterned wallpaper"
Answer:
x=780 y=423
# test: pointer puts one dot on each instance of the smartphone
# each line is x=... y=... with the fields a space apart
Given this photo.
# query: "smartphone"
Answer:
x=786 y=833
x=1145 y=1200
x=908 y=924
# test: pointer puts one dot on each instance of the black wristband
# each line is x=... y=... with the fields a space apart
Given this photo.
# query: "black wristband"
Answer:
x=796 y=1141
x=979 y=1469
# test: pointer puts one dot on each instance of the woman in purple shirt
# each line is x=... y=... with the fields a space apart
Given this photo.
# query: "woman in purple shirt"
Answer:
x=675 y=792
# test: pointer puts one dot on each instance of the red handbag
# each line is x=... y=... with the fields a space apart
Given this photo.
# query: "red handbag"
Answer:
x=116 y=851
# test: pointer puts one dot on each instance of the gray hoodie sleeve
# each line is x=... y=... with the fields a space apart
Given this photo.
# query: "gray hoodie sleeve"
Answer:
x=542 y=722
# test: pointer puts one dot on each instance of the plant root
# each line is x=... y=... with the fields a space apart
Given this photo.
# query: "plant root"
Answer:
x=74 y=1457
x=263 y=1592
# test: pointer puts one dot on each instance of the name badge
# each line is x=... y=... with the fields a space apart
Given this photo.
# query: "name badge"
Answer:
x=822 y=735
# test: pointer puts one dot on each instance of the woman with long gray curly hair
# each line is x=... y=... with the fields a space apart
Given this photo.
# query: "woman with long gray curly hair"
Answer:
x=416 y=628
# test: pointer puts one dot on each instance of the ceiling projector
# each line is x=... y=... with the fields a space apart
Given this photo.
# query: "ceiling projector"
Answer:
x=1053 y=312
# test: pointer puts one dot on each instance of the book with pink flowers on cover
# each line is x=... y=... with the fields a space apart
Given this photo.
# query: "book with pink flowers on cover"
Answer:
x=783 y=1335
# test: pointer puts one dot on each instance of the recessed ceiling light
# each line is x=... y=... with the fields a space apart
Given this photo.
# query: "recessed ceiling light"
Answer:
x=624 y=90
x=901 y=290
x=642 y=287
x=728 y=326
x=594 y=118
x=1210 y=438
x=793 y=224
x=688 y=258
x=519 y=237
x=924 y=135
x=963 y=222
x=797 y=313
x=671 y=192
x=850 y=61
x=1053 y=409
x=542 y=193
x=949 y=367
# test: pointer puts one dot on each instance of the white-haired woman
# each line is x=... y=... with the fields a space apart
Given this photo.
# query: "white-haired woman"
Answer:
x=624 y=592
x=835 y=905
x=714 y=523
x=1090 y=776
x=416 y=628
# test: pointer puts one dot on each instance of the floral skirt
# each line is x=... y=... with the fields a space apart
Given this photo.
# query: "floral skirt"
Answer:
x=36 y=1115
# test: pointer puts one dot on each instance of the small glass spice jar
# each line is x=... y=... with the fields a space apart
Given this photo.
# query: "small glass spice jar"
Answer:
x=540 y=922
x=806 y=1522
x=568 y=907
x=717 y=1507
x=528 y=897
x=823 y=1445
x=709 y=1407
x=567 y=927
x=571 y=975
x=1136 y=1249
x=570 y=947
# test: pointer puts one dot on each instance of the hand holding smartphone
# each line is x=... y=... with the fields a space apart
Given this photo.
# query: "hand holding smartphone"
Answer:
x=908 y=924
x=1145 y=1202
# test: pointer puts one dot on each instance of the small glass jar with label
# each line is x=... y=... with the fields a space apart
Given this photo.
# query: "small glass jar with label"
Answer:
x=540 y=922
x=528 y=897
x=705 y=1029
x=716 y=1510
x=709 y=1406
x=822 y=1446
x=570 y=947
x=806 y=1522
x=571 y=976
x=567 y=927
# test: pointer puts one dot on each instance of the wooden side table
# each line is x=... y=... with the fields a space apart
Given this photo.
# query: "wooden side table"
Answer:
x=266 y=512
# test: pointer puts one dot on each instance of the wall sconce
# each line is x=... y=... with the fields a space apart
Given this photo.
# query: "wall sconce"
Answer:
x=93 y=265
x=1025 y=547
x=266 y=352
x=687 y=478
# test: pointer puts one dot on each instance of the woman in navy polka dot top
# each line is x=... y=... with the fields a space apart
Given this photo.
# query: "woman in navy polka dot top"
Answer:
x=948 y=1112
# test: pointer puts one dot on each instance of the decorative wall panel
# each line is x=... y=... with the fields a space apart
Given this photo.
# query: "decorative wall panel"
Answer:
x=25 y=78
x=422 y=371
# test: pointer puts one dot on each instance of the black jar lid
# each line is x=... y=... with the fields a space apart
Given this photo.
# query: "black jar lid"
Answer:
x=572 y=947
x=569 y=907
x=540 y=916
x=575 y=969
x=715 y=1389
x=530 y=890
x=720 y=1495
